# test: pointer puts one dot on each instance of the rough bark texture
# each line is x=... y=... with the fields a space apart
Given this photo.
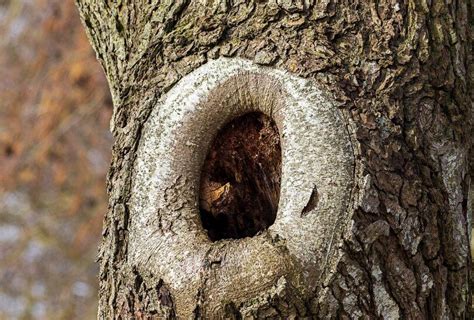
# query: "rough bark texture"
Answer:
x=401 y=70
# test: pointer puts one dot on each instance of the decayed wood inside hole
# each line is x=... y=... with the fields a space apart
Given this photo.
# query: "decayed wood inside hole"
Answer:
x=240 y=179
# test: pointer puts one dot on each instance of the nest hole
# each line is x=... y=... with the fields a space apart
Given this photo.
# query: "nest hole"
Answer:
x=240 y=178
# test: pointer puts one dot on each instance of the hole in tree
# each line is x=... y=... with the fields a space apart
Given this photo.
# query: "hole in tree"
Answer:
x=240 y=178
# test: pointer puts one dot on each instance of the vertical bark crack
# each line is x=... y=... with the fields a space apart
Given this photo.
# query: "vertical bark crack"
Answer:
x=312 y=202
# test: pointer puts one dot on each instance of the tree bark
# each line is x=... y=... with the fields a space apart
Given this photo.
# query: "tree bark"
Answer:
x=401 y=74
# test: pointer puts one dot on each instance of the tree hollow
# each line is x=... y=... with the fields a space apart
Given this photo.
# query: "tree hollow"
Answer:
x=240 y=178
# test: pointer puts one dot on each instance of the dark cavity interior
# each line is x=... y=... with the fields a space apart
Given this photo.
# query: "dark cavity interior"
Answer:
x=240 y=179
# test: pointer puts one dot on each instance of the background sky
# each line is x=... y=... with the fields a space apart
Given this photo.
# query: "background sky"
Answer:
x=54 y=154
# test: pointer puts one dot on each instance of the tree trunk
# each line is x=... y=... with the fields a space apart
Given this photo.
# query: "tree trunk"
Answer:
x=390 y=82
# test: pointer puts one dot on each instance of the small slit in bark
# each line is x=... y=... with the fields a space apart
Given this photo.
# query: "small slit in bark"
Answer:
x=312 y=202
x=240 y=178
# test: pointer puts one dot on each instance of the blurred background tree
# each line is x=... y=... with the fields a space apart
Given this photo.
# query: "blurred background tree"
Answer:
x=54 y=154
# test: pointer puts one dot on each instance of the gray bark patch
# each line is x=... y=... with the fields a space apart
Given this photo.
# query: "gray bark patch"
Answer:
x=166 y=235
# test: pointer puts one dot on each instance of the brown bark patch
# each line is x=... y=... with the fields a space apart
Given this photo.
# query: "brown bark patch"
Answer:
x=240 y=179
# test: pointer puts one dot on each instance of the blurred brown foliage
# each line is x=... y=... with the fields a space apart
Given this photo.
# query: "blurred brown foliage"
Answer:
x=54 y=154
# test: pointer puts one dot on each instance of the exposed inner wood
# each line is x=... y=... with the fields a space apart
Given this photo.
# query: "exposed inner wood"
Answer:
x=240 y=179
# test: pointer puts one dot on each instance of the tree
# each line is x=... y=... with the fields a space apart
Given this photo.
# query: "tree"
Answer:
x=398 y=74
